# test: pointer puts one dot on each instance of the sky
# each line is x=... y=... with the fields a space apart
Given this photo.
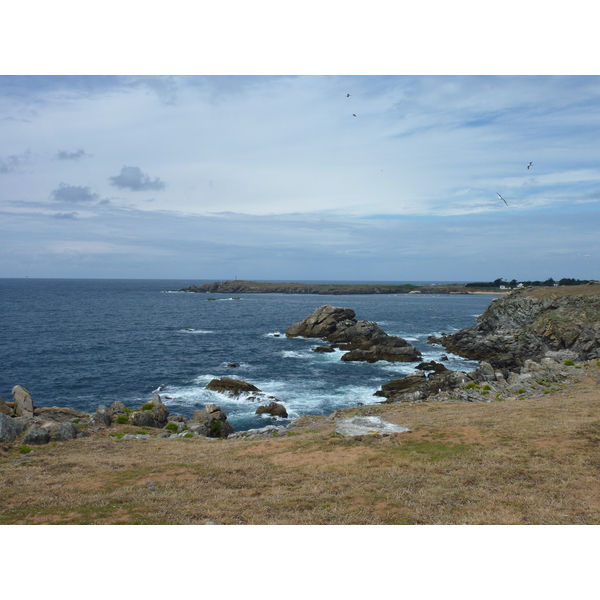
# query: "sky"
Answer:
x=287 y=177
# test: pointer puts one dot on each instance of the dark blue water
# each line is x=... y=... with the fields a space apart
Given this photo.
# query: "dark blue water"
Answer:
x=81 y=343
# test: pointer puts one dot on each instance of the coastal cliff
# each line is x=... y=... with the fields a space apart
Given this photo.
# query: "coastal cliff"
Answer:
x=530 y=322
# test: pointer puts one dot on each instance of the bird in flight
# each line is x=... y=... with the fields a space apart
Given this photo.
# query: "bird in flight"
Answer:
x=353 y=115
x=501 y=198
x=529 y=165
x=347 y=95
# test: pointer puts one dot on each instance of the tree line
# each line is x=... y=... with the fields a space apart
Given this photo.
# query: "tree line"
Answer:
x=497 y=283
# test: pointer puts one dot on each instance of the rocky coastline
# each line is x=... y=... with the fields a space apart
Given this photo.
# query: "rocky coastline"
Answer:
x=528 y=344
x=255 y=287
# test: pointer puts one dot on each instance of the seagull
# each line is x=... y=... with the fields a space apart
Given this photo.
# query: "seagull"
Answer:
x=160 y=387
x=501 y=198
x=529 y=165
x=347 y=95
x=353 y=115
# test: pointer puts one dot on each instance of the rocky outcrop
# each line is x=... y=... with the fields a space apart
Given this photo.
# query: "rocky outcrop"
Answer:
x=528 y=323
x=274 y=409
x=211 y=422
x=486 y=383
x=7 y=408
x=364 y=340
x=228 y=385
x=151 y=414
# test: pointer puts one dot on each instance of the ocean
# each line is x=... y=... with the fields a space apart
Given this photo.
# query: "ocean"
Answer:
x=81 y=343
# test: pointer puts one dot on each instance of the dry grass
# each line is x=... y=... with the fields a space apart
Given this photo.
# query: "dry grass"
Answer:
x=520 y=462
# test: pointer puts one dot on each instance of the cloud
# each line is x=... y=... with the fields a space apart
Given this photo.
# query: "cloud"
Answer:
x=66 y=155
x=133 y=179
x=70 y=215
x=74 y=193
x=14 y=161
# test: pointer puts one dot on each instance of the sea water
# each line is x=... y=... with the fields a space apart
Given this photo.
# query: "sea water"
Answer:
x=82 y=343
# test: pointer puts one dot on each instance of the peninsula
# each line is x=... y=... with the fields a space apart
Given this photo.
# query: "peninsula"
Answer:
x=256 y=287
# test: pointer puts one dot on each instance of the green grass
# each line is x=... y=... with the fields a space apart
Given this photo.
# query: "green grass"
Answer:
x=568 y=363
x=24 y=449
x=148 y=406
x=122 y=419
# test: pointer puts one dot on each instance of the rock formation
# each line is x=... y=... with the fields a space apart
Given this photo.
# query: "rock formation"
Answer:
x=23 y=404
x=231 y=386
x=530 y=322
x=211 y=422
x=364 y=340
x=274 y=409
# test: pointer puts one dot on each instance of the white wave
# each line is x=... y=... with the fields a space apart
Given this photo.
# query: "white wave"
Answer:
x=295 y=354
x=190 y=330
x=276 y=334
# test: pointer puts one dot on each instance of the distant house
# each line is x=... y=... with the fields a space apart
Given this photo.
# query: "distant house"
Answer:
x=519 y=285
x=502 y=287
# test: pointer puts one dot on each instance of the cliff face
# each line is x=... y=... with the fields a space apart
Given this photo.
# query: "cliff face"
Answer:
x=530 y=322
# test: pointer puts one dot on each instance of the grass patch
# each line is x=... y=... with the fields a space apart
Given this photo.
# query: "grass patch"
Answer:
x=148 y=406
x=568 y=363
x=435 y=450
x=24 y=449
x=122 y=419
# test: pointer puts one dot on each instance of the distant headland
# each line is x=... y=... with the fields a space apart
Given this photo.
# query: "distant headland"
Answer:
x=256 y=287
x=498 y=286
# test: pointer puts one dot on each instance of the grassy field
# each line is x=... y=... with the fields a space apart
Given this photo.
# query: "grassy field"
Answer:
x=534 y=461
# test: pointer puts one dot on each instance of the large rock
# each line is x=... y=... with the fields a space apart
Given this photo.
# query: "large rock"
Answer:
x=152 y=414
x=367 y=426
x=274 y=409
x=364 y=340
x=228 y=385
x=211 y=422
x=101 y=417
x=10 y=428
x=23 y=402
x=36 y=436
x=61 y=432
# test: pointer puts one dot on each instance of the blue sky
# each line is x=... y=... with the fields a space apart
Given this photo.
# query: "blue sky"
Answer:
x=272 y=177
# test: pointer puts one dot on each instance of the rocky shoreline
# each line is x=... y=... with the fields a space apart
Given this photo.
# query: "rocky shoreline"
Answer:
x=529 y=343
x=255 y=287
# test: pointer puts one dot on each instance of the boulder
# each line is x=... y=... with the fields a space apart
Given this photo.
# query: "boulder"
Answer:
x=274 y=409
x=211 y=422
x=23 y=402
x=228 y=385
x=117 y=407
x=11 y=429
x=101 y=417
x=152 y=414
x=321 y=349
x=36 y=436
x=367 y=426
x=61 y=432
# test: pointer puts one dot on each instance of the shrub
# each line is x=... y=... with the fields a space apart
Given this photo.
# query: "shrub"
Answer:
x=487 y=387
x=171 y=427
x=122 y=419
x=189 y=435
x=569 y=363
x=471 y=386
x=24 y=449
x=521 y=391
x=148 y=406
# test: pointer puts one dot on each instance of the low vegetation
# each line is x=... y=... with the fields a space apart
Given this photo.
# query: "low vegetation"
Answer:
x=519 y=461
